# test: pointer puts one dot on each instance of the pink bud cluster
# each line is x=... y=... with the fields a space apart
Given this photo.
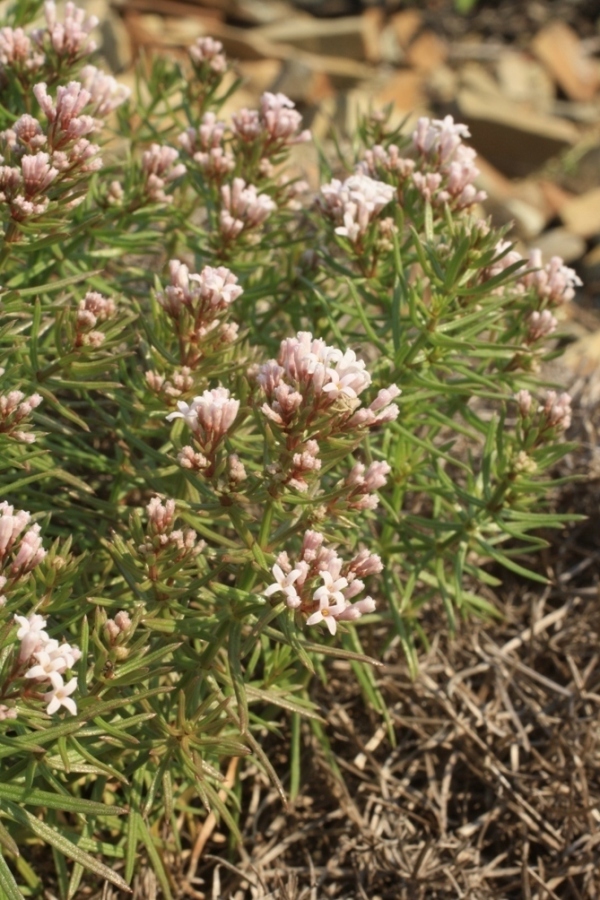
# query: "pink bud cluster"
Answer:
x=6 y=712
x=556 y=410
x=209 y=417
x=93 y=309
x=504 y=257
x=207 y=55
x=48 y=661
x=159 y=169
x=540 y=325
x=69 y=40
x=15 y=409
x=44 y=161
x=310 y=380
x=18 y=53
x=181 y=381
x=59 y=43
x=24 y=546
x=362 y=485
x=204 y=295
x=553 y=283
x=106 y=94
x=274 y=126
x=206 y=147
x=197 y=304
x=444 y=170
x=355 y=204
x=321 y=585
x=121 y=624
x=243 y=208
x=162 y=535
x=386 y=160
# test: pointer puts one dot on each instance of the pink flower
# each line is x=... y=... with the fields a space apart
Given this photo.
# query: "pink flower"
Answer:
x=11 y=525
x=158 y=166
x=214 y=290
x=16 y=51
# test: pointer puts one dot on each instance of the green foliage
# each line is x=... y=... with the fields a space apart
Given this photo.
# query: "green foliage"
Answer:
x=161 y=537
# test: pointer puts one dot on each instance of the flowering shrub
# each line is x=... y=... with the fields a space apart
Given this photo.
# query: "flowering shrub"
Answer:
x=211 y=379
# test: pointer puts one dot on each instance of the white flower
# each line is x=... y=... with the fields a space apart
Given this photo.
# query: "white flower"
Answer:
x=331 y=589
x=328 y=614
x=285 y=583
x=47 y=664
x=60 y=695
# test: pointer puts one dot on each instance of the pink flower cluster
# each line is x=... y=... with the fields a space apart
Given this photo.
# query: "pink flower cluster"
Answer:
x=180 y=381
x=159 y=169
x=18 y=53
x=554 y=283
x=504 y=258
x=386 y=160
x=44 y=161
x=69 y=40
x=94 y=308
x=355 y=203
x=444 y=170
x=106 y=94
x=197 y=304
x=310 y=378
x=118 y=626
x=274 y=126
x=59 y=43
x=15 y=408
x=206 y=147
x=24 y=545
x=362 y=485
x=556 y=410
x=204 y=295
x=49 y=661
x=321 y=585
x=209 y=417
x=207 y=54
x=162 y=535
x=540 y=325
x=243 y=208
